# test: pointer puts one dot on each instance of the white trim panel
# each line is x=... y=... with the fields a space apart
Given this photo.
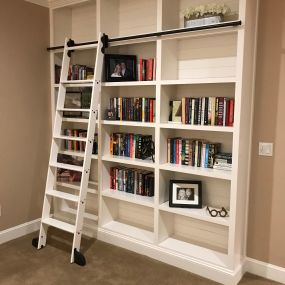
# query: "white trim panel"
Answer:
x=265 y=270
x=19 y=231
x=216 y=273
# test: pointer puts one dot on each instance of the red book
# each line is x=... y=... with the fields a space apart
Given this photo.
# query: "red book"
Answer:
x=231 y=113
x=227 y=112
x=149 y=69
x=141 y=70
x=151 y=110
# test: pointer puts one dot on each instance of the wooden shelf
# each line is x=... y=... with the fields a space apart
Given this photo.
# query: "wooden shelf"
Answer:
x=200 y=214
x=129 y=161
x=181 y=126
x=200 y=171
x=129 y=197
x=188 y=249
x=130 y=231
x=199 y=81
x=129 y=83
x=76 y=186
x=129 y=123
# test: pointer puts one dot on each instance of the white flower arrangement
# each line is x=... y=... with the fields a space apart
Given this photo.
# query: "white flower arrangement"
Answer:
x=201 y=11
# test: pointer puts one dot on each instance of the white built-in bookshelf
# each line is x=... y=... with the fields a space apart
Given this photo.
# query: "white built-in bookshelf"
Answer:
x=218 y=62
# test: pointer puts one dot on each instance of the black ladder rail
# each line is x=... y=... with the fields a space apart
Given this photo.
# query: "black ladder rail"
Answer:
x=106 y=40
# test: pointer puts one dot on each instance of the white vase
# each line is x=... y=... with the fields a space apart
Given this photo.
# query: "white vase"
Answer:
x=202 y=21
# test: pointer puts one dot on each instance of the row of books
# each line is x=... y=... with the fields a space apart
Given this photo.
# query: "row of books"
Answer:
x=80 y=72
x=75 y=72
x=208 y=111
x=130 y=145
x=132 y=109
x=223 y=161
x=146 y=69
x=192 y=152
x=135 y=181
x=78 y=145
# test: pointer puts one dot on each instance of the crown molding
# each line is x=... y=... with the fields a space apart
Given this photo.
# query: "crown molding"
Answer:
x=54 y=4
x=44 y=3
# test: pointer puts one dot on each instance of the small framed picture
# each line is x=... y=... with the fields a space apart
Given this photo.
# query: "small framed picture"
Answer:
x=120 y=67
x=185 y=194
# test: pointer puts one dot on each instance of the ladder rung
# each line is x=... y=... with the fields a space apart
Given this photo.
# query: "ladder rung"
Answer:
x=63 y=195
x=70 y=138
x=73 y=153
x=78 y=83
x=76 y=186
x=67 y=166
x=73 y=110
x=75 y=120
x=59 y=224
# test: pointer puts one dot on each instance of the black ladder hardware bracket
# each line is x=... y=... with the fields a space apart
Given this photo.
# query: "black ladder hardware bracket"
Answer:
x=79 y=258
x=70 y=43
x=35 y=242
x=105 y=42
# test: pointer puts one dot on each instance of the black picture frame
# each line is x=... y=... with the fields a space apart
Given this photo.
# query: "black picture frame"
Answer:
x=185 y=194
x=113 y=67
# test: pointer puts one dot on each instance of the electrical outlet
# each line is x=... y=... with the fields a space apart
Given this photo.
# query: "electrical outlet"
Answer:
x=265 y=149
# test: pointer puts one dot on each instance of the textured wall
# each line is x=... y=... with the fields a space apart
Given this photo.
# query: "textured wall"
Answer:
x=266 y=227
x=24 y=110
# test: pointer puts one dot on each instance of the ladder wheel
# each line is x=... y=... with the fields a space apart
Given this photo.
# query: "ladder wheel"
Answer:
x=35 y=242
x=79 y=258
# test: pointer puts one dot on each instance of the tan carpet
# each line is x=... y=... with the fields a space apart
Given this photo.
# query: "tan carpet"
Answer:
x=21 y=263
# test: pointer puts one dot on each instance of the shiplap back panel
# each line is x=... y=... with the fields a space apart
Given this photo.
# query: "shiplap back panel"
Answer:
x=201 y=233
x=135 y=215
x=137 y=17
x=215 y=192
x=62 y=25
x=208 y=57
x=84 y=22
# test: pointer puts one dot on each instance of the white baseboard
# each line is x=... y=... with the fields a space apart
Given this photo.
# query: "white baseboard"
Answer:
x=265 y=270
x=206 y=270
x=20 y=230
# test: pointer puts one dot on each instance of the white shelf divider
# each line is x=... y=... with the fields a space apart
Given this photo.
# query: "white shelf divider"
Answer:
x=129 y=161
x=129 y=197
x=129 y=123
x=200 y=214
x=206 y=172
x=180 y=126
x=131 y=231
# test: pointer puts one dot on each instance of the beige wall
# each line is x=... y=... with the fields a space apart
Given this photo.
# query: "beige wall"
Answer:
x=24 y=110
x=266 y=228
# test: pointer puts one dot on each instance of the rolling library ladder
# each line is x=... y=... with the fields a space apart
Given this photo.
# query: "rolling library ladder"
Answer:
x=57 y=138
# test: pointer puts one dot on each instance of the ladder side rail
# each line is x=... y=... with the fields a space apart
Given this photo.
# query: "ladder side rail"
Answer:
x=55 y=146
x=96 y=90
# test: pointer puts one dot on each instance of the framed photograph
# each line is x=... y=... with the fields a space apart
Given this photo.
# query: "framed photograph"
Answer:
x=185 y=194
x=120 y=67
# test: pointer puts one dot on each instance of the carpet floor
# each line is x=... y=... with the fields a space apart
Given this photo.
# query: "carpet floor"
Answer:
x=22 y=264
